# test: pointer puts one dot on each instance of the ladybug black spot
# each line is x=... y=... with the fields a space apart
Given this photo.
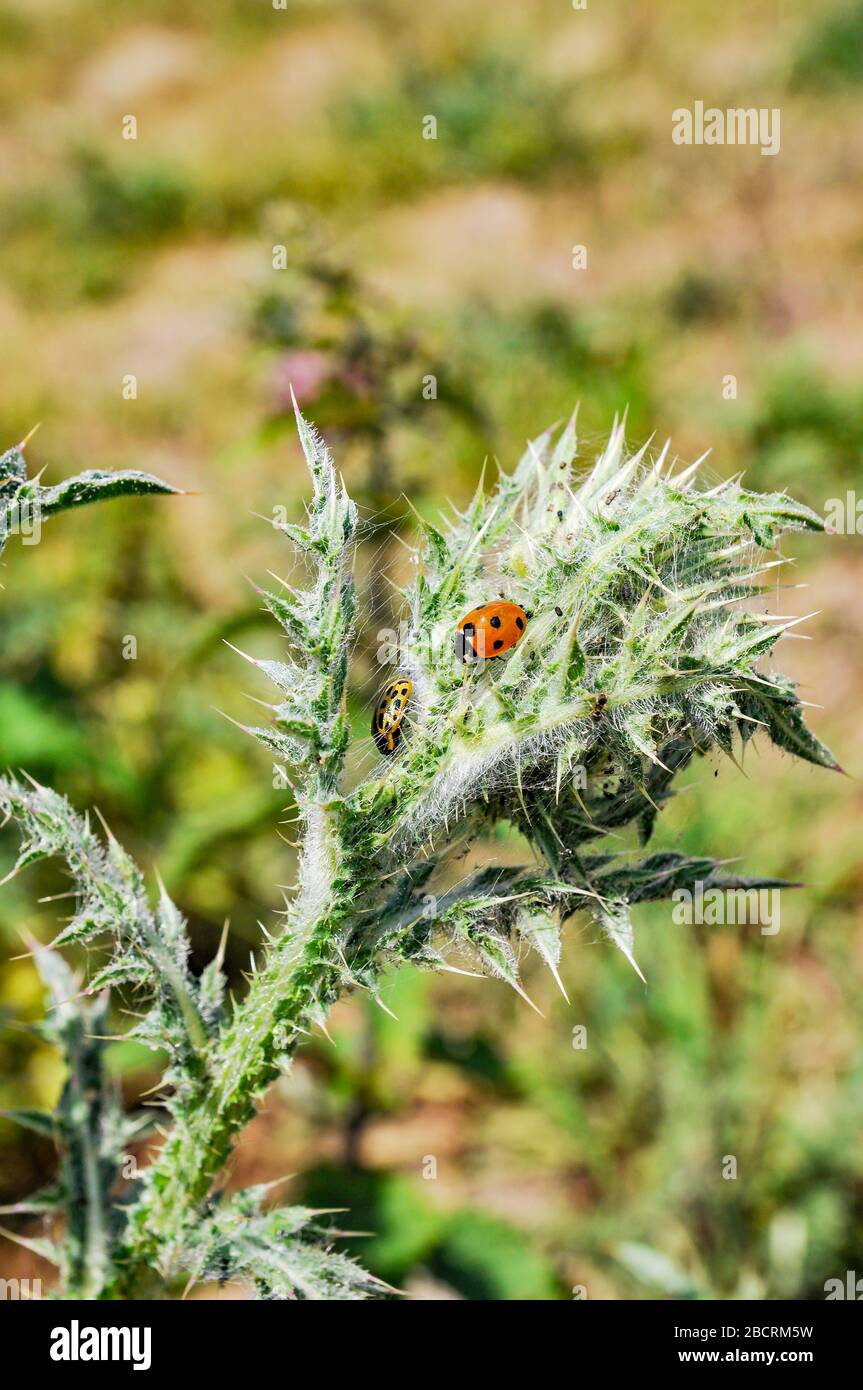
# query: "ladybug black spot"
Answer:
x=498 y=644
x=519 y=622
x=469 y=629
x=495 y=622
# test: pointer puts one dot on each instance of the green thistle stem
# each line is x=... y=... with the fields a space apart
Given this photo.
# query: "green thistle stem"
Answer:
x=294 y=987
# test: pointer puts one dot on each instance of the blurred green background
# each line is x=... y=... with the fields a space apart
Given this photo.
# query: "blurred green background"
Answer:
x=554 y=1167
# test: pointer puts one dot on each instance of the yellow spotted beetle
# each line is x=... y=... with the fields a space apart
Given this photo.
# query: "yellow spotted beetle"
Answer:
x=389 y=712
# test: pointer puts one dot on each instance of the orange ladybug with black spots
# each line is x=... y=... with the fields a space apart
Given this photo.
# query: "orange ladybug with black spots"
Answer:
x=489 y=630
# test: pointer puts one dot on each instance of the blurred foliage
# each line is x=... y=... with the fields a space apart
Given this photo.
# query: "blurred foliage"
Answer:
x=807 y=426
x=832 y=53
x=556 y=1167
x=499 y=119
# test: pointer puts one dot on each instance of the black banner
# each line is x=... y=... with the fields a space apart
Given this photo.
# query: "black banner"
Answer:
x=223 y=1338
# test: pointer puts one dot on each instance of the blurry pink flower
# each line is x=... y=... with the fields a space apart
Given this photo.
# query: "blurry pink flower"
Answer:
x=307 y=370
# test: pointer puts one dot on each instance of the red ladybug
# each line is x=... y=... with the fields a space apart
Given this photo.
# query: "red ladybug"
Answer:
x=489 y=630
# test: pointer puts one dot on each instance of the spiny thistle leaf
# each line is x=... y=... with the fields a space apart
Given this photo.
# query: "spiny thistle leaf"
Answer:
x=150 y=949
x=773 y=701
x=616 y=921
x=278 y=1253
x=312 y=727
x=538 y=927
x=24 y=502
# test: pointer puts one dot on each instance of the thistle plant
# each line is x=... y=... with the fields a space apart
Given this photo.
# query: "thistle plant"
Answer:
x=639 y=655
